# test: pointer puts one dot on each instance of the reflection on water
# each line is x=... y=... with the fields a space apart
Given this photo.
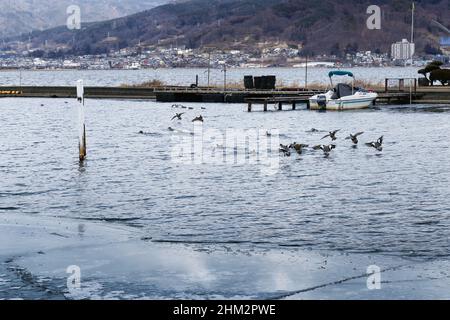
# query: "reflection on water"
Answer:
x=357 y=200
x=423 y=108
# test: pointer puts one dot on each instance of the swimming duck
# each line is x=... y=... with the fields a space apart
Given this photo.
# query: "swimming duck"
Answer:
x=298 y=147
x=285 y=150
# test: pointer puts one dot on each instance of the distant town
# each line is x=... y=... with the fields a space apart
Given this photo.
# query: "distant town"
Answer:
x=265 y=55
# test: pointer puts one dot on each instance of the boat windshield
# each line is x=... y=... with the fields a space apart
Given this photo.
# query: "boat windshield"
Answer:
x=342 y=90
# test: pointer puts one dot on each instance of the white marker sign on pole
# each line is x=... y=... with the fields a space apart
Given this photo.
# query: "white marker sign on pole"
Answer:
x=81 y=120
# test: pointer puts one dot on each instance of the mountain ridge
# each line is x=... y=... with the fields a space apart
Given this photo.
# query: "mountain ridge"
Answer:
x=323 y=27
x=23 y=16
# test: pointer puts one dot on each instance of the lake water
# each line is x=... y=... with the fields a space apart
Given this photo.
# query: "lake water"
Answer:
x=357 y=200
x=285 y=76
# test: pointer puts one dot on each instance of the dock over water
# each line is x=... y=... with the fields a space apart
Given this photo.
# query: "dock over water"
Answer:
x=179 y=94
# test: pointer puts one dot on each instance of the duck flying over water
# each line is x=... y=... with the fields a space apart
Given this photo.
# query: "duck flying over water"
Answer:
x=325 y=148
x=177 y=116
x=332 y=135
x=199 y=119
x=354 y=137
x=378 y=145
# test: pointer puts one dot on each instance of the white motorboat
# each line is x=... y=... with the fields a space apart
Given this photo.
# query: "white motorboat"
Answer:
x=343 y=96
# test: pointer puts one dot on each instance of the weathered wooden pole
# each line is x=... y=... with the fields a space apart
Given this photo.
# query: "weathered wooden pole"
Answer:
x=81 y=121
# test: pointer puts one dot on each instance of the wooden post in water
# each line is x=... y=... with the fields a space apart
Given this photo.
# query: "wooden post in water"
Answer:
x=81 y=121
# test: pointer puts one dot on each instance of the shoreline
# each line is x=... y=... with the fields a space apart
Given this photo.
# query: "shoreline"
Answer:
x=180 y=94
x=119 y=262
x=206 y=67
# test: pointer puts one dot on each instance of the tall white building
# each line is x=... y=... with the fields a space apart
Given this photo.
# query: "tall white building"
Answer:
x=403 y=50
x=445 y=45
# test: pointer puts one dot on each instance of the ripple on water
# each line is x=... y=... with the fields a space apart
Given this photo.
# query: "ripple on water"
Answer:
x=395 y=202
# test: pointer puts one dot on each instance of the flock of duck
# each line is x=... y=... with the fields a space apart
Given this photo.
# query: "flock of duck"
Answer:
x=179 y=116
x=328 y=148
x=287 y=150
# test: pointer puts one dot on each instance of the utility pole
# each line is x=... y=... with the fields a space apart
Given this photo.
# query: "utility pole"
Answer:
x=209 y=49
x=209 y=67
x=224 y=77
x=412 y=22
x=306 y=73
x=412 y=31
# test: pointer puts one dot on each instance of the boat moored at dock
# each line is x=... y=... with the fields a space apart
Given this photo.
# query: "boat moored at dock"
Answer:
x=343 y=96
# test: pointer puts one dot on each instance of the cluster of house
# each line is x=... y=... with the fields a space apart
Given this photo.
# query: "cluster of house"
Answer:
x=160 y=57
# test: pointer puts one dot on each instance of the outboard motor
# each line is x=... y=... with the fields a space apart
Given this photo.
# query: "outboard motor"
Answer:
x=322 y=102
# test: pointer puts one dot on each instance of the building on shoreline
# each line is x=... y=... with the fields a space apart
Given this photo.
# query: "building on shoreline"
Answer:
x=403 y=50
x=445 y=45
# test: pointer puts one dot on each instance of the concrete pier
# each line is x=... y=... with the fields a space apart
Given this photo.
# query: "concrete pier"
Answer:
x=176 y=94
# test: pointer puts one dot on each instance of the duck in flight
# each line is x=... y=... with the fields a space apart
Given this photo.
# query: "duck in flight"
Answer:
x=354 y=137
x=325 y=148
x=332 y=135
x=177 y=116
x=378 y=145
x=199 y=118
